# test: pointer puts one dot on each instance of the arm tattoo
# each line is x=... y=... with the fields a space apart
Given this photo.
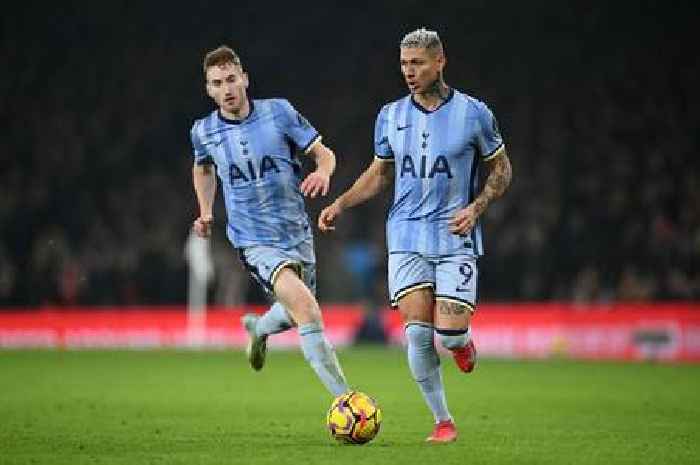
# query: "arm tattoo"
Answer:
x=497 y=182
x=500 y=176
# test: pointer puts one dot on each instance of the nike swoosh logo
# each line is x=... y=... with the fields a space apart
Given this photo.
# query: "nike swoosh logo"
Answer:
x=401 y=128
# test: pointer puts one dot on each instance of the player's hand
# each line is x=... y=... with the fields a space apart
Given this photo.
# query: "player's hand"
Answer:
x=315 y=183
x=328 y=216
x=202 y=226
x=464 y=220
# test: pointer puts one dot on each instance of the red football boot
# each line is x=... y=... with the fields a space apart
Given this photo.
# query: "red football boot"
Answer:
x=465 y=357
x=445 y=431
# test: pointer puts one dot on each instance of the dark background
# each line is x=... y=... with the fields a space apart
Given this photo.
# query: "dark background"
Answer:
x=597 y=102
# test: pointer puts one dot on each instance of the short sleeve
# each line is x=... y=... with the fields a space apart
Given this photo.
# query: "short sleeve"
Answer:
x=200 y=153
x=296 y=127
x=382 y=149
x=489 y=137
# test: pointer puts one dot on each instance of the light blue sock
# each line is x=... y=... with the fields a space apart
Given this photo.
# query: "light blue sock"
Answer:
x=274 y=320
x=321 y=356
x=424 y=363
x=452 y=339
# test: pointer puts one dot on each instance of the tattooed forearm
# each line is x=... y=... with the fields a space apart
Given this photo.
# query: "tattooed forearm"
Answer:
x=497 y=182
x=500 y=176
x=451 y=308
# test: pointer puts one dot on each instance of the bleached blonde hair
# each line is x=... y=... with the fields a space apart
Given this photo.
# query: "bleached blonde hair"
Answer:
x=422 y=38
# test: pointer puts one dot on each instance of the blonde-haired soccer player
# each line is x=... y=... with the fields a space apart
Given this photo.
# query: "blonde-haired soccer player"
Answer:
x=432 y=144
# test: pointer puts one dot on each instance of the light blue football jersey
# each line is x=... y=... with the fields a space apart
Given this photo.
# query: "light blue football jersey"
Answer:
x=259 y=172
x=436 y=156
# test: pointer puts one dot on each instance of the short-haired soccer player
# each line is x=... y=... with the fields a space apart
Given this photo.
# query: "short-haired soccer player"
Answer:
x=251 y=144
x=432 y=143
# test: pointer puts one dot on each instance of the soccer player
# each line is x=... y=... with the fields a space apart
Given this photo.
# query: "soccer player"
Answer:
x=251 y=144
x=432 y=143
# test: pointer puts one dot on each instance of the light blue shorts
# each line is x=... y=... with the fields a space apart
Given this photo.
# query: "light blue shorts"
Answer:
x=452 y=277
x=264 y=263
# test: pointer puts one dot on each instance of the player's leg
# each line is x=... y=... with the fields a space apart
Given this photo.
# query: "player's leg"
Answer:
x=263 y=263
x=456 y=293
x=275 y=320
x=294 y=294
x=410 y=286
x=454 y=332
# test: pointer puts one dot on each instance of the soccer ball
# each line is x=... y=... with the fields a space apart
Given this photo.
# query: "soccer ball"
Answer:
x=354 y=418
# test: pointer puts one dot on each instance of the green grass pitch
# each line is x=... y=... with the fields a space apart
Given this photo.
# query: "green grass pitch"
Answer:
x=181 y=407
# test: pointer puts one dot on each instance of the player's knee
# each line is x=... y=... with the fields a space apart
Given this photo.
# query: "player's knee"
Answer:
x=422 y=315
x=452 y=339
x=300 y=303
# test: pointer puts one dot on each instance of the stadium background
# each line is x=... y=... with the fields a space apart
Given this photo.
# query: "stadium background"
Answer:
x=597 y=102
x=593 y=253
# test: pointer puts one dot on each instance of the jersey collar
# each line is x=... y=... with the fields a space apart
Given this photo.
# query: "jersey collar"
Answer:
x=425 y=110
x=223 y=119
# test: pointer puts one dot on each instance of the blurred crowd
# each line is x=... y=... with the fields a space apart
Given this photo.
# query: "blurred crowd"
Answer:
x=602 y=130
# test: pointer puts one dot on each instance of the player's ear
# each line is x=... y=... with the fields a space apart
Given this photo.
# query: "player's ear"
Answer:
x=442 y=60
x=245 y=79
